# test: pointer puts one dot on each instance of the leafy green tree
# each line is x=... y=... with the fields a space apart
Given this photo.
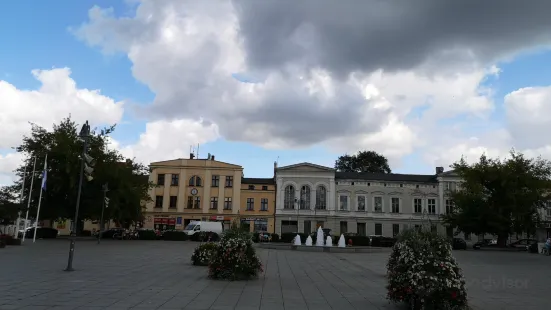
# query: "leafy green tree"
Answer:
x=127 y=179
x=500 y=197
x=8 y=205
x=364 y=161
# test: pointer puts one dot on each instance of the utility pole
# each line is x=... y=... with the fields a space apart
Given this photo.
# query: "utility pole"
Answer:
x=105 y=188
x=29 y=201
x=86 y=167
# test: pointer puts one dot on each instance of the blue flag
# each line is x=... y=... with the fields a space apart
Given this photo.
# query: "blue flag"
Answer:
x=44 y=177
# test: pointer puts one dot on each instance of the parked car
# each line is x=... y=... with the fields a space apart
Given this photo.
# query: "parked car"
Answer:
x=522 y=244
x=41 y=233
x=113 y=233
x=458 y=244
x=485 y=243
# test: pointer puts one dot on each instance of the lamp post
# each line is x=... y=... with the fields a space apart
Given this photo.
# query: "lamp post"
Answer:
x=84 y=136
x=105 y=204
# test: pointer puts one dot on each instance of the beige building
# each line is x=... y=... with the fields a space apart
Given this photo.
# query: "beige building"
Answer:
x=193 y=190
x=258 y=204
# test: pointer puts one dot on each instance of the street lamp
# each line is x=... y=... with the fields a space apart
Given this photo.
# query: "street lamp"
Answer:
x=86 y=167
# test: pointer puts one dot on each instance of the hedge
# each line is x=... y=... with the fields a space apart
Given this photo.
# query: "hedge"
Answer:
x=205 y=236
x=147 y=235
x=175 y=236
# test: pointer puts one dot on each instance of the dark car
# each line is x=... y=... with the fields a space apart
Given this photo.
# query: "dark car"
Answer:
x=113 y=233
x=41 y=233
x=484 y=243
x=522 y=244
x=459 y=244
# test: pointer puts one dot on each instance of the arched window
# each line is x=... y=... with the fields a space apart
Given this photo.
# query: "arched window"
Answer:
x=305 y=197
x=195 y=181
x=321 y=198
x=289 y=201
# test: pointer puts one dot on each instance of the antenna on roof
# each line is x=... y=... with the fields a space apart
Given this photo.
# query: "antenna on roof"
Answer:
x=197 y=151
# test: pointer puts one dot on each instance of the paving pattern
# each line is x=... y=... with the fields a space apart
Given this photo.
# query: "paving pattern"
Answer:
x=158 y=275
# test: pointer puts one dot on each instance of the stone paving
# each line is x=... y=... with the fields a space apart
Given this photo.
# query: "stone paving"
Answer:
x=158 y=275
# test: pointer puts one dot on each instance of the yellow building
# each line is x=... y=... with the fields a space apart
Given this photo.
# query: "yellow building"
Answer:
x=258 y=204
x=193 y=190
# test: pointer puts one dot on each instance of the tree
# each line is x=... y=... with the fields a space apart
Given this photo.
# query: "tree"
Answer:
x=128 y=182
x=8 y=205
x=500 y=197
x=364 y=161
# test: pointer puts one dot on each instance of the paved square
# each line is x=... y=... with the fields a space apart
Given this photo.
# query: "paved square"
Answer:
x=158 y=275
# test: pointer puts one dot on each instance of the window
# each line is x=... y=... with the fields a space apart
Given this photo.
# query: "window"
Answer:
x=197 y=203
x=467 y=237
x=264 y=204
x=417 y=205
x=250 y=204
x=417 y=227
x=227 y=203
x=433 y=228
x=189 y=202
x=260 y=225
x=378 y=229
x=344 y=227
x=229 y=181
x=264 y=187
x=160 y=179
x=361 y=203
x=158 y=201
x=174 y=180
x=343 y=203
x=251 y=187
x=395 y=229
x=215 y=181
x=378 y=204
x=449 y=206
x=361 y=229
x=173 y=200
x=305 y=197
x=395 y=204
x=195 y=181
x=321 y=198
x=213 y=203
x=289 y=200
x=307 y=227
x=431 y=206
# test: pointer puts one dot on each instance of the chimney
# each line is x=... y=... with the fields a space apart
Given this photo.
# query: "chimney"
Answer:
x=439 y=170
x=191 y=156
x=212 y=157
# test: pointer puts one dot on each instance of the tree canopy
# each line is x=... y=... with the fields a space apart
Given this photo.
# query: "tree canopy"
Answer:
x=127 y=179
x=8 y=205
x=364 y=161
x=500 y=197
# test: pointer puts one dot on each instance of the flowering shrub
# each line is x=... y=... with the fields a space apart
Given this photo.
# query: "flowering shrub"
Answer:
x=422 y=272
x=202 y=254
x=234 y=258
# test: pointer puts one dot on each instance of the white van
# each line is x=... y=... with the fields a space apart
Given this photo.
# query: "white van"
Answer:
x=195 y=227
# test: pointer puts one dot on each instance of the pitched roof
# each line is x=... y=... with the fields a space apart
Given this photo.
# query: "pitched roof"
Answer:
x=395 y=177
x=265 y=181
x=304 y=164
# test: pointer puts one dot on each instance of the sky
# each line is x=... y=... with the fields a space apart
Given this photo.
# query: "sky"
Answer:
x=254 y=82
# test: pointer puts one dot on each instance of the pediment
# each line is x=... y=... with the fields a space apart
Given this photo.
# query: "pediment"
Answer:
x=395 y=193
x=378 y=193
x=362 y=192
x=343 y=191
x=304 y=167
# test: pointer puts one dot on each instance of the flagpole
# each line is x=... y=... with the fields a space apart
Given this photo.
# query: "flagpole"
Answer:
x=44 y=176
x=16 y=234
x=29 y=202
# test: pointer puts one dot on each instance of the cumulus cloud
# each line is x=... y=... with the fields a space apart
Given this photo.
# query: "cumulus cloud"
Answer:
x=57 y=98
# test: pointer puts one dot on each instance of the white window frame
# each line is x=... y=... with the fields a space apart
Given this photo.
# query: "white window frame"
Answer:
x=347 y=202
x=358 y=203
x=399 y=204
x=413 y=204
x=428 y=206
x=449 y=205
x=382 y=204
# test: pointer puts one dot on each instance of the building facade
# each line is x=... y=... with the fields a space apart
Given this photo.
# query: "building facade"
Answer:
x=258 y=204
x=193 y=190
x=309 y=196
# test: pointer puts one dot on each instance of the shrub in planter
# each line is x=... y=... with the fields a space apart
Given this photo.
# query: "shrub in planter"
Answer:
x=421 y=271
x=202 y=254
x=234 y=258
x=175 y=235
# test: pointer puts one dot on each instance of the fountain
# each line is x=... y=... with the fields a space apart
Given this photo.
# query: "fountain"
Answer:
x=319 y=238
x=329 y=241
x=297 y=240
x=308 y=241
x=342 y=242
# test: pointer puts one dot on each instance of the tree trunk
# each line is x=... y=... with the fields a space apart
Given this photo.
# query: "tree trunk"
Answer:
x=502 y=239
